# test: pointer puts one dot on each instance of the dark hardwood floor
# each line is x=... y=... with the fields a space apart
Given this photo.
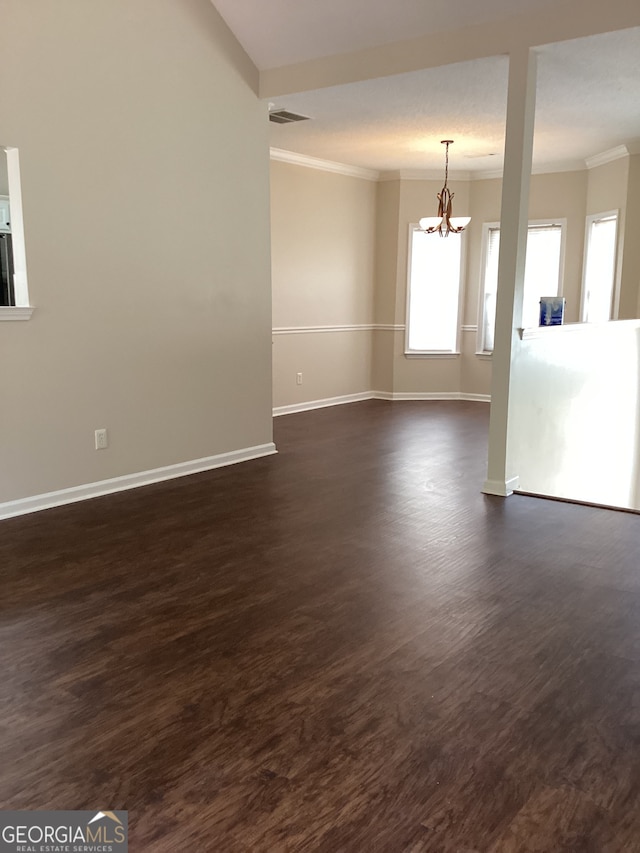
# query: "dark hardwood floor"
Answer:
x=343 y=648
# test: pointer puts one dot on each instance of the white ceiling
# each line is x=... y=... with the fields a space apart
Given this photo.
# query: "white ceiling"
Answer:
x=282 y=32
x=588 y=98
x=396 y=123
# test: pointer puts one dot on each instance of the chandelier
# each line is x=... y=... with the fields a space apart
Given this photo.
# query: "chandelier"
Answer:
x=444 y=223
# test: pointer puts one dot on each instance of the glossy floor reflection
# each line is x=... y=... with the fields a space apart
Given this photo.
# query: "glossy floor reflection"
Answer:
x=343 y=648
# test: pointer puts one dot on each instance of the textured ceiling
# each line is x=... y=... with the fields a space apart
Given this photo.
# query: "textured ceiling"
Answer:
x=282 y=32
x=397 y=122
x=588 y=101
x=588 y=89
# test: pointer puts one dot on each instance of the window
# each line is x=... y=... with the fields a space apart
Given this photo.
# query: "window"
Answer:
x=542 y=275
x=14 y=297
x=599 y=267
x=433 y=293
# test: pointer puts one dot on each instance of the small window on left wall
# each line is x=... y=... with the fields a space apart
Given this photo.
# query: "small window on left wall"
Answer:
x=14 y=294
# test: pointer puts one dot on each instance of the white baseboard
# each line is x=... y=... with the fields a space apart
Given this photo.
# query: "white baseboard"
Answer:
x=378 y=395
x=322 y=404
x=502 y=488
x=9 y=509
x=430 y=395
x=476 y=398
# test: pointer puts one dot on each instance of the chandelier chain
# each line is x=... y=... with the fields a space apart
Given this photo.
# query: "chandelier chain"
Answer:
x=444 y=223
x=446 y=165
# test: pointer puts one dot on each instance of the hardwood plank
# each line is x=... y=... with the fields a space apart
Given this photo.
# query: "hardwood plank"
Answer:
x=342 y=648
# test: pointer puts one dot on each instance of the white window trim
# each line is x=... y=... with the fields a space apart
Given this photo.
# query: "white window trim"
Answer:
x=414 y=353
x=22 y=310
x=15 y=312
x=615 y=293
x=484 y=248
x=532 y=223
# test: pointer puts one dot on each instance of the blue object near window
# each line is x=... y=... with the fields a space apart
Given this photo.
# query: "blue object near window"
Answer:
x=552 y=310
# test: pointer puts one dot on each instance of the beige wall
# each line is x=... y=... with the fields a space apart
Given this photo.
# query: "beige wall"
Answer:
x=333 y=364
x=387 y=250
x=386 y=266
x=150 y=283
x=313 y=216
x=607 y=186
x=563 y=195
x=323 y=237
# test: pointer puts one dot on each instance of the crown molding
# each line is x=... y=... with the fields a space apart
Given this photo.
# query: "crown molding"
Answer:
x=486 y=175
x=609 y=156
x=539 y=169
x=423 y=175
x=292 y=157
x=559 y=166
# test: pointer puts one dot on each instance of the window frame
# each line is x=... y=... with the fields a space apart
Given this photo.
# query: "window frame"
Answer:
x=615 y=285
x=21 y=309
x=413 y=228
x=551 y=221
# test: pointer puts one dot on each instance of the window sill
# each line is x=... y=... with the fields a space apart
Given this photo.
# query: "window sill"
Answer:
x=15 y=312
x=486 y=356
x=427 y=354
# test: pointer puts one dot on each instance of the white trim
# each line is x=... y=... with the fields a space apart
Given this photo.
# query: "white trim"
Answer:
x=484 y=356
x=608 y=156
x=468 y=328
x=424 y=175
x=431 y=395
x=476 y=398
x=414 y=353
x=544 y=331
x=487 y=175
x=536 y=169
x=501 y=488
x=364 y=327
x=484 y=251
x=487 y=227
x=379 y=395
x=559 y=166
x=414 y=228
x=322 y=404
x=614 y=304
x=9 y=509
x=295 y=159
x=20 y=283
x=15 y=312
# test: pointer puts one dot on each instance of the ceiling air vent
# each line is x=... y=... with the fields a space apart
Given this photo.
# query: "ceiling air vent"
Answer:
x=285 y=117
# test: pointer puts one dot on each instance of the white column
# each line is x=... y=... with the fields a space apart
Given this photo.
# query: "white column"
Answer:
x=502 y=475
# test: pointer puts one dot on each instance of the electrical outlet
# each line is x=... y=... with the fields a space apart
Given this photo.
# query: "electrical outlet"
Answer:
x=102 y=440
x=298 y=378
